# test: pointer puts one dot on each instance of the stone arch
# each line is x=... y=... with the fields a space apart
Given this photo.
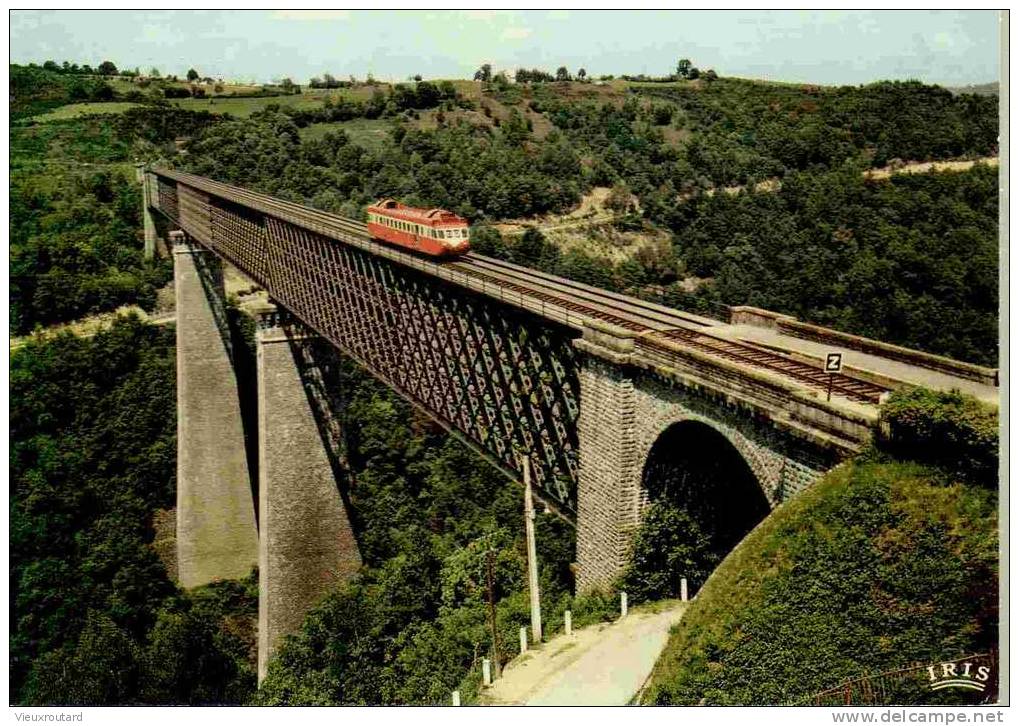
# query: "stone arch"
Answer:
x=715 y=473
x=767 y=465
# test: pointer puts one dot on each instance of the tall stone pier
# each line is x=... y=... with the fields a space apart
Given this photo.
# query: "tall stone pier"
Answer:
x=306 y=543
x=148 y=221
x=609 y=483
x=217 y=536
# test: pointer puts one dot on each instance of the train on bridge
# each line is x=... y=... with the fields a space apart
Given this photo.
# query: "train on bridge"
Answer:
x=434 y=232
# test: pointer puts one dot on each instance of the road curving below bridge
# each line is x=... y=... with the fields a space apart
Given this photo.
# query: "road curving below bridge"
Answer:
x=601 y=665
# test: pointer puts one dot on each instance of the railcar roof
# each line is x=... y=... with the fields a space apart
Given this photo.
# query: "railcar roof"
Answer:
x=416 y=214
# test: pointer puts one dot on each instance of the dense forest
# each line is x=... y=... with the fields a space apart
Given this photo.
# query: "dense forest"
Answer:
x=96 y=617
x=75 y=214
x=75 y=246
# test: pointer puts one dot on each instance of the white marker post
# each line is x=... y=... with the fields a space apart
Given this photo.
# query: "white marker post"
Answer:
x=486 y=672
x=568 y=618
x=682 y=590
x=523 y=639
x=456 y=698
x=622 y=605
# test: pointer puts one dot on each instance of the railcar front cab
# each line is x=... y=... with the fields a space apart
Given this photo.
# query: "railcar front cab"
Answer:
x=453 y=236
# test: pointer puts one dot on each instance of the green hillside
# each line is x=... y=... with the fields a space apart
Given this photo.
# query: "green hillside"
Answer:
x=882 y=565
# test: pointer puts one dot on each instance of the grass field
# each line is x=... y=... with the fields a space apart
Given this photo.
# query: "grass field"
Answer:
x=74 y=110
x=243 y=107
x=368 y=133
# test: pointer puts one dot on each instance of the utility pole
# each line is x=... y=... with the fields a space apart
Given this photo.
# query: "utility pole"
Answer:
x=497 y=667
x=532 y=552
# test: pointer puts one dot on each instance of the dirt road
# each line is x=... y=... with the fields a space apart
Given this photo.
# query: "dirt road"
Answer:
x=601 y=665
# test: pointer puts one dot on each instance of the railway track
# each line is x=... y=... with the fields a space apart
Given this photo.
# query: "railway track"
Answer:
x=653 y=322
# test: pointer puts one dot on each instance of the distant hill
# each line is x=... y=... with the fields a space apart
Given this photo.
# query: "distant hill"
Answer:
x=981 y=89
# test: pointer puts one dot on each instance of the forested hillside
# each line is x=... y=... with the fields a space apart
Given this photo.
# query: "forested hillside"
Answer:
x=95 y=617
x=910 y=259
x=75 y=214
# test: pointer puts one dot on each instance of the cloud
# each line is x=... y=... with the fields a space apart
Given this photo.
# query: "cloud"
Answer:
x=313 y=15
x=516 y=33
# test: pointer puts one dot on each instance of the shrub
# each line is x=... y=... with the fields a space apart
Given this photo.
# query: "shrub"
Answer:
x=949 y=430
x=669 y=545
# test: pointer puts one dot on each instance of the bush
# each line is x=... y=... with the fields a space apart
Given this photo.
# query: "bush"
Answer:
x=949 y=430
x=669 y=545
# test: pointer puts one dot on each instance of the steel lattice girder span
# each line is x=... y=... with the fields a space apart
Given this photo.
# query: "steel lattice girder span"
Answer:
x=503 y=378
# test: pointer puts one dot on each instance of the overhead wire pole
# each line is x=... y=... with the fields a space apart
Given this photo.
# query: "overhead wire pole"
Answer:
x=532 y=552
x=496 y=666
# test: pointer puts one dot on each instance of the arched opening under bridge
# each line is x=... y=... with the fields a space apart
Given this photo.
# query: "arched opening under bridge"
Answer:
x=695 y=469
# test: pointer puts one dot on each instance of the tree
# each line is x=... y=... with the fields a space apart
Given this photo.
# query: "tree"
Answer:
x=582 y=74
x=683 y=68
x=669 y=545
x=106 y=68
x=417 y=77
x=484 y=74
x=154 y=72
x=619 y=199
x=426 y=95
x=710 y=75
x=694 y=74
x=447 y=90
x=192 y=75
x=562 y=74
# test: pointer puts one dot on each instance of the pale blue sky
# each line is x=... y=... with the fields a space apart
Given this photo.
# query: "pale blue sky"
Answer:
x=851 y=47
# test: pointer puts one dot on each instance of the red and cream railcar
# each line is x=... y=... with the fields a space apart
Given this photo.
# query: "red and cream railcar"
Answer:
x=434 y=232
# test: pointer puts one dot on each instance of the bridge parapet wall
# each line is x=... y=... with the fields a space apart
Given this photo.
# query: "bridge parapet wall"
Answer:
x=788 y=325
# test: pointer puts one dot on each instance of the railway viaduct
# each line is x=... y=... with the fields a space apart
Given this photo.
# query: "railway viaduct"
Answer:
x=608 y=399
